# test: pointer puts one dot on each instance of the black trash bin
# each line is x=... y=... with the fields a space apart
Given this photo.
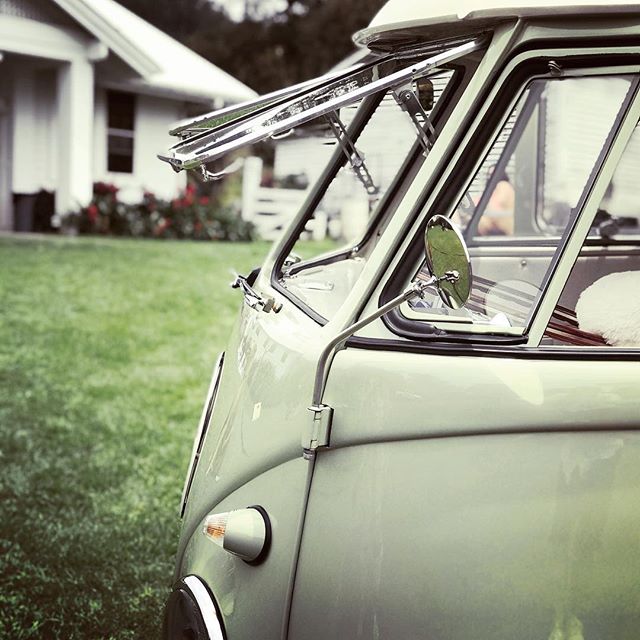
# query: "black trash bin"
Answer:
x=23 y=209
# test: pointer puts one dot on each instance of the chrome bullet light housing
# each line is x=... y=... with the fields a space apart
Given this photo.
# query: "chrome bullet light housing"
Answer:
x=245 y=533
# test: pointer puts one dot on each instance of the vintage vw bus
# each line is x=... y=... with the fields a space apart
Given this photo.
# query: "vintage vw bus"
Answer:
x=410 y=439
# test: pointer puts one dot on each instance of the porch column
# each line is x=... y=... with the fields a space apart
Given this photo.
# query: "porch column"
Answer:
x=75 y=137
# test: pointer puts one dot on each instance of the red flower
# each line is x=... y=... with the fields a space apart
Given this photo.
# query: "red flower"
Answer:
x=204 y=200
x=104 y=189
x=92 y=212
x=189 y=194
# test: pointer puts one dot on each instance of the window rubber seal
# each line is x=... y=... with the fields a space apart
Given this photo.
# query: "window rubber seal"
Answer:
x=499 y=349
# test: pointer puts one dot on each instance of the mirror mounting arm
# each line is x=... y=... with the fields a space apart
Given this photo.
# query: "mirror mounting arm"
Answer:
x=448 y=261
x=415 y=289
x=320 y=424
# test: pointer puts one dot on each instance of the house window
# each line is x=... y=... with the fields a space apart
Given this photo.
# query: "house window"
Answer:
x=120 y=132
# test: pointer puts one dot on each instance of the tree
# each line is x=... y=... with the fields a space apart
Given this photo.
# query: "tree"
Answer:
x=304 y=40
x=178 y=18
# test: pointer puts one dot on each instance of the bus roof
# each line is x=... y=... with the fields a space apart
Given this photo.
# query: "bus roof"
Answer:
x=397 y=15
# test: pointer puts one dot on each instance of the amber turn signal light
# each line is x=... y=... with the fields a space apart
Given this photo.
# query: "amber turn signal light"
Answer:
x=245 y=533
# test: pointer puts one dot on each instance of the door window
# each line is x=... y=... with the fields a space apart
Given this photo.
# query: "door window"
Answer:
x=518 y=209
x=600 y=303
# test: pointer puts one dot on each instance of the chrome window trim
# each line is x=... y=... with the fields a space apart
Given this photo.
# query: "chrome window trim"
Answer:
x=199 y=124
x=201 y=430
x=206 y=605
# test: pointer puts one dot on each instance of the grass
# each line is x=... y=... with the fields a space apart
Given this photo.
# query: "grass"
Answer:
x=105 y=352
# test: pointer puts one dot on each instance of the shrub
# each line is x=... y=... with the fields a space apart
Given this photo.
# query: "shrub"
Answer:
x=188 y=216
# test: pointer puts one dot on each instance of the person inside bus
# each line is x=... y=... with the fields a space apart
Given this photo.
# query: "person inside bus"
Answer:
x=498 y=217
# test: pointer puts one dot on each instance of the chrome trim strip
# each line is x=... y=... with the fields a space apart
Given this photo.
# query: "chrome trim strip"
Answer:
x=205 y=417
x=207 y=607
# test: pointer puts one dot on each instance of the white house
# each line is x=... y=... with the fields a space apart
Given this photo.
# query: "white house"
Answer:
x=87 y=93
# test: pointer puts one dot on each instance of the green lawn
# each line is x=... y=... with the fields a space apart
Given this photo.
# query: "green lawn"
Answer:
x=106 y=347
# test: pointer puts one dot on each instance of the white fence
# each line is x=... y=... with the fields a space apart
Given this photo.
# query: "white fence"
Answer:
x=342 y=216
x=271 y=210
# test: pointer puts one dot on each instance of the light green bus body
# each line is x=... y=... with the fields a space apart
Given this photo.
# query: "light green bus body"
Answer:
x=467 y=489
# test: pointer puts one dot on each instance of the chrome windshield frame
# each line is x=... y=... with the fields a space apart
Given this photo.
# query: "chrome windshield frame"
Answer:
x=235 y=112
x=241 y=125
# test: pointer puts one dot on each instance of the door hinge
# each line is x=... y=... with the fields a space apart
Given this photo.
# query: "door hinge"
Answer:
x=319 y=430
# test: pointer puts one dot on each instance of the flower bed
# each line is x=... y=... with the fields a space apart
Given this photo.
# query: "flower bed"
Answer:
x=188 y=216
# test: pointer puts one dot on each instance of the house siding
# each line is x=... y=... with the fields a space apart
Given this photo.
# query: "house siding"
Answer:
x=53 y=124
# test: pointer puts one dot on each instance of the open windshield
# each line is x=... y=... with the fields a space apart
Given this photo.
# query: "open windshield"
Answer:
x=339 y=231
x=209 y=137
x=355 y=133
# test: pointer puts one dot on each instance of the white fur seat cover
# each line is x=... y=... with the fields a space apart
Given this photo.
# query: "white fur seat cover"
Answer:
x=610 y=307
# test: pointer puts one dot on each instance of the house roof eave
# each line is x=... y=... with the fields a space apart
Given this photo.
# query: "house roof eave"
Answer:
x=158 y=59
x=93 y=22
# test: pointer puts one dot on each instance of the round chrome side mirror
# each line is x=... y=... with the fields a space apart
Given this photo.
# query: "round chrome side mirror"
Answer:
x=448 y=260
